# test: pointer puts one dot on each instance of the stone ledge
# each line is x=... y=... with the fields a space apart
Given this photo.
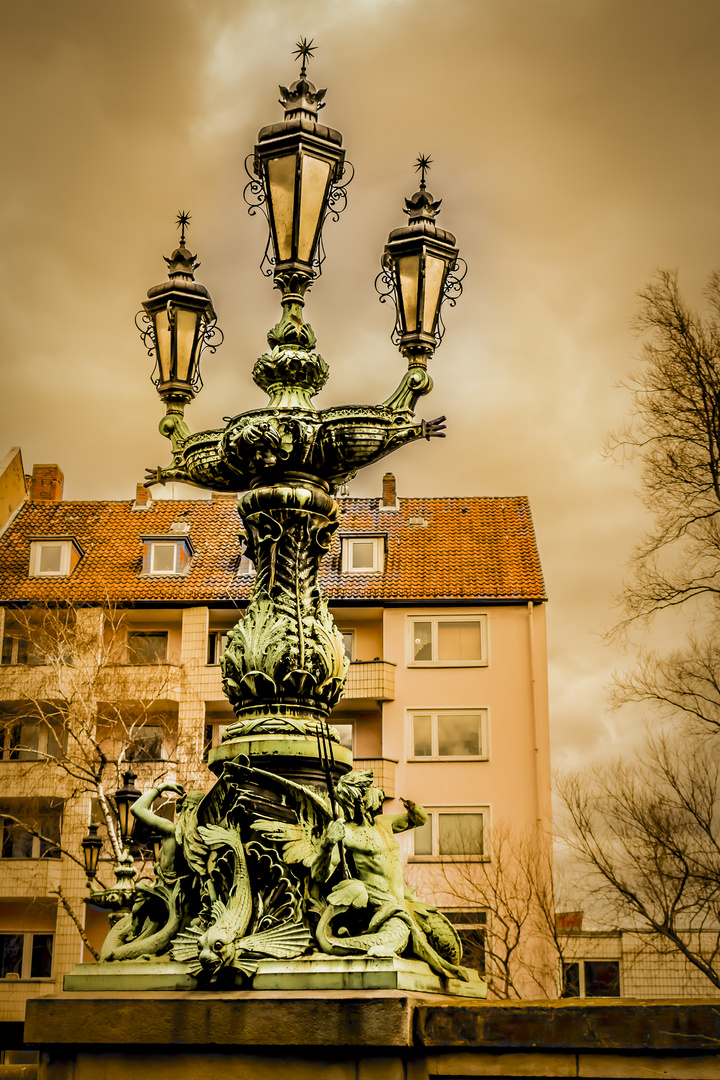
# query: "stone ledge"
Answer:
x=590 y=1024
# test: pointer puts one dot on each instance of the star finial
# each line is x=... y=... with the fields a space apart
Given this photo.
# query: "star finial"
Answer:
x=422 y=165
x=304 y=50
x=183 y=220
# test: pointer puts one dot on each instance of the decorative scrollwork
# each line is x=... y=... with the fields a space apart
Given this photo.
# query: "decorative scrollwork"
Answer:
x=147 y=334
x=256 y=199
x=336 y=203
x=385 y=288
x=452 y=291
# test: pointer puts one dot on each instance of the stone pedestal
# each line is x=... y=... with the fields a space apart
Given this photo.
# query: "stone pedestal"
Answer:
x=370 y=1035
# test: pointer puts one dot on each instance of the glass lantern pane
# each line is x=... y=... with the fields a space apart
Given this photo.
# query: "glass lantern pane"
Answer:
x=434 y=271
x=164 y=344
x=408 y=274
x=185 y=328
x=281 y=180
x=315 y=175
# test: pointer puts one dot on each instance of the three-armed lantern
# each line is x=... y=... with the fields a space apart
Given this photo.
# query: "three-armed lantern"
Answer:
x=92 y=846
x=297 y=162
x=177 y=323
x=419 y=264
x=124 y=798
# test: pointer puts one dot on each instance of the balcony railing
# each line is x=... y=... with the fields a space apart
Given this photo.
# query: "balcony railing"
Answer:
x=384 y=769
x=374 y=679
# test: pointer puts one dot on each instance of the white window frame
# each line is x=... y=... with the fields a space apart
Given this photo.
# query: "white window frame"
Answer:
x=246 y=567
x=26 y=966
x=351 y=634
x=36 y=549
x=434 y=714
x=152 y=545
x=217 y=644
x=378 y=543
x=435 y=620
x=593 y=960
x=434 y=812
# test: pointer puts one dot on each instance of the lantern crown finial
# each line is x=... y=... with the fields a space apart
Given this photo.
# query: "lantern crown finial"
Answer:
x=182 y=261
x=421 y=206
x=302 y=99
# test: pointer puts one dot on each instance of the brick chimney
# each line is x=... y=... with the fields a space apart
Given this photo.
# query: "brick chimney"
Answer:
x=143 y=498
x=46 y=483
x=389 y=493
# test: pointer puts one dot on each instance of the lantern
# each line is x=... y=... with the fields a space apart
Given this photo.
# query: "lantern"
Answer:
x=297 y=162
x=178 y=320
x=418 y=264
x=92 y=846
x=124 y=799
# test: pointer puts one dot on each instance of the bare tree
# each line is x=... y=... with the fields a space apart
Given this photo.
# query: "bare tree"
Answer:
x=648 y=834
x=516 y=944
x=80 y=703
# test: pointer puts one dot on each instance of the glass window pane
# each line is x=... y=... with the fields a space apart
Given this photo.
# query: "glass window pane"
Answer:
x=348 y=640
x=460 y=834
x=345 y=731
x=459 y=641
x=458 y=735
x=26 y=741
x=50 y=558
x=315 y=177
x=422 y=641
x=571 y=980
x=48 y=824
x=11 y=950
x=281 y=180
x=602 y=978
x=17 y=842
x=150 y=648
x=362 y=554
x=163 y=558
x=7 y=650
x=423 y=838
x=408 y=271
x=146 y=744
x=422 y=736
x=42 y=950
x=434 y=270
x=55 y=741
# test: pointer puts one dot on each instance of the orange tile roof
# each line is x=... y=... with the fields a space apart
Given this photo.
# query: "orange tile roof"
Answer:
x=470 y=549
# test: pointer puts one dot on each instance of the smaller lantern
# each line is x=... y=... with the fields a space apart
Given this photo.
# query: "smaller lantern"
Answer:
x=92 y=846
x=298 y=161
x=156 y=841
x=124 y=799
x=418 y=271
x=177 y=323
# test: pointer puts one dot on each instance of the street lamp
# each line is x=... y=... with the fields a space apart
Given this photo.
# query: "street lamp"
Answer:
x=92 y=846
x=124 y=798
x=177 y=323
x=419 y=271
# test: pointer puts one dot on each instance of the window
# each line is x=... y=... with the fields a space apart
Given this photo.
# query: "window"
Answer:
x=30 y=739
x=26 y=956
x=591 y=978
x=167 y=555
x=461 y=733
x=20 y=650
x=348 y=637
x=451 y=641
x=145 y=744
x=455 y=833
x=363 y=554
x=246 y=567
x=345 y=731
x=213 y=737
x=217 y=643
x=21 y=820
x=471 y=926
x=53 y=556
x=147 y=647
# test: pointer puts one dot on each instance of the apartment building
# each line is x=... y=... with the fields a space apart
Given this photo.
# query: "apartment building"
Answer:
x=441 y=603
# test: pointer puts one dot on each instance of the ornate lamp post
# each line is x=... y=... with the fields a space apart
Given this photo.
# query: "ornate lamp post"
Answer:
x=286 y=796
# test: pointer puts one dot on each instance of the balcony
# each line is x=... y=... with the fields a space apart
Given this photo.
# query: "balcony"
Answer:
x=384 y=769
x=372 y=680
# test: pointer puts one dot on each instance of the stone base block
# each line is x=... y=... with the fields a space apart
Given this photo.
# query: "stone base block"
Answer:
x=316 y=972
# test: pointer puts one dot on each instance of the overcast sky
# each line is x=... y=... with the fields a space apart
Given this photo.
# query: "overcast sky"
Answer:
x=575 y=147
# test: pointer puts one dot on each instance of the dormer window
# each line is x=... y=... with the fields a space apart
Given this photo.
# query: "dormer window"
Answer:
x=166 y=556
x=55 y=556
x=363 y=554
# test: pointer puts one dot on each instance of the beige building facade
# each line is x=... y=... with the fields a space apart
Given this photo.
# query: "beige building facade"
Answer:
x=442 y=606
